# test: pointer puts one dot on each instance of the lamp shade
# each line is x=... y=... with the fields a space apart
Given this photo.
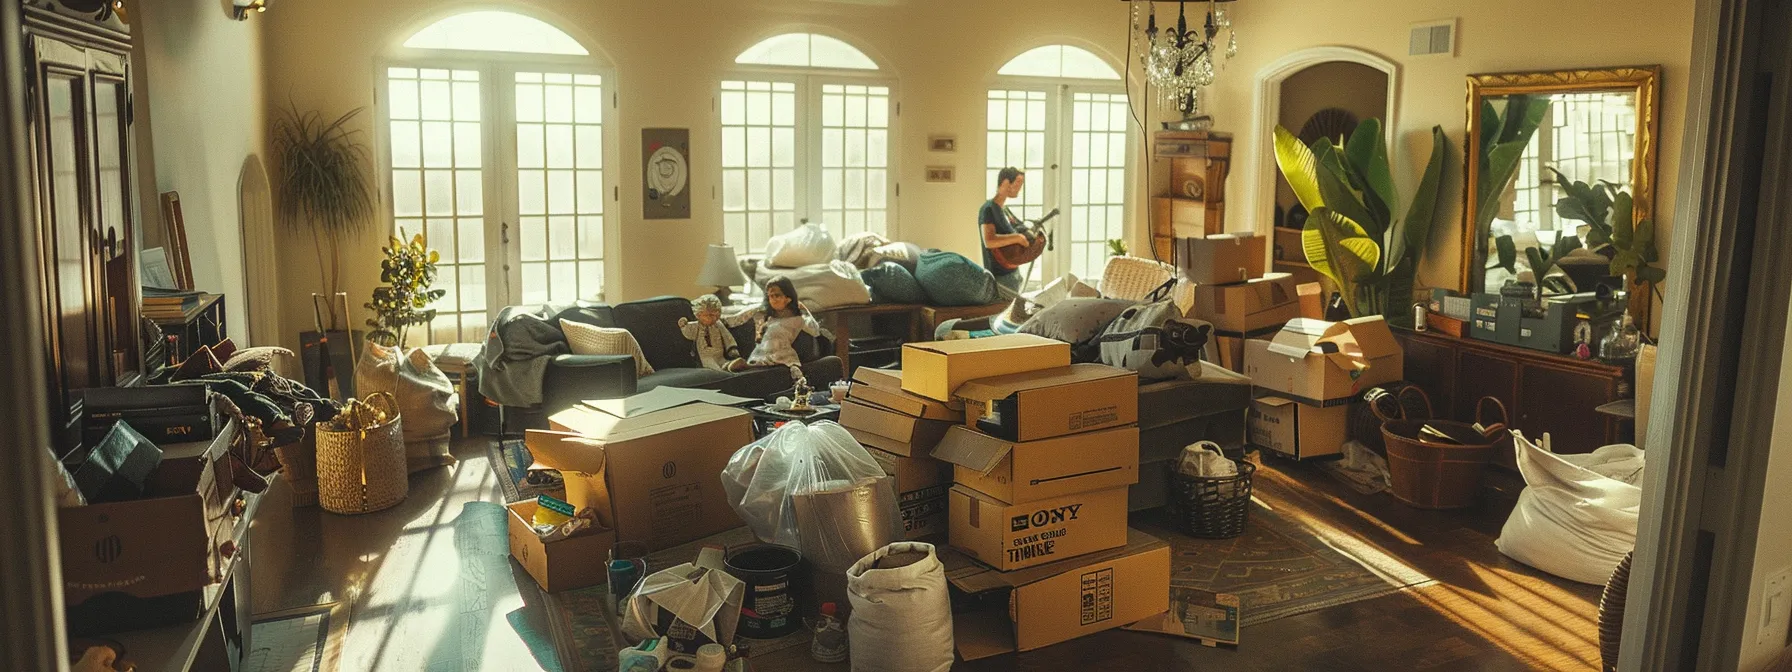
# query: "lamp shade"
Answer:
x=720 y=268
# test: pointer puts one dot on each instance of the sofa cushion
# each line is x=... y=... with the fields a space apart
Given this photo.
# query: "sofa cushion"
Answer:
x=654 y=322
x=595 y=314
x=1075 y=321
x=891 y=283
x=951 y=279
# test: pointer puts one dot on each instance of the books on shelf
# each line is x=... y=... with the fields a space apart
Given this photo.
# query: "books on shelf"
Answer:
x=169 y=303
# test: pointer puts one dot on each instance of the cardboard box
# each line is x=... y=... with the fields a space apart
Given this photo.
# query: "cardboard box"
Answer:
x=1013 y=472
x=1297 y=430
x=1052 y=402
x=573 y=562
x=888 y=430
x=883 y=387
x=1221 y=258
x=1252 y=308
x=935 y=369
x=1063 y=600
x=1312 y=300
x=661 y=468
x=581 y=465
x=1326 y=363
x=1289 y=246
x=1228 y=351
x=921 y=485
x=1011 y=536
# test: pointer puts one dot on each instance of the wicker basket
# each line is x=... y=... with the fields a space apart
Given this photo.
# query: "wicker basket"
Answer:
x=1611 y=614
x=362 y=469
x=1132 y=278
x=1431 y=475
x=1212 y=507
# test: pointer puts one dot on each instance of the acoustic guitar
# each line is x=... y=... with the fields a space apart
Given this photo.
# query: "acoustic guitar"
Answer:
x=1012 y=257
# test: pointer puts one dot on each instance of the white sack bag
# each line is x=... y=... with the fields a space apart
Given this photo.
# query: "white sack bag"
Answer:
x=822 y=286
x=803 y=246
x=1577 y=515
x=901 y=613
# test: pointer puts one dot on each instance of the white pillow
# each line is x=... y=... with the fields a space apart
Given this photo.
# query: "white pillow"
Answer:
x=805 y=245
x=588 y=339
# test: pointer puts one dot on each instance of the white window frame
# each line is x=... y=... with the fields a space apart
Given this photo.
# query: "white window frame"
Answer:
x=501 y=211
x=1060 y=95
x=809 y=82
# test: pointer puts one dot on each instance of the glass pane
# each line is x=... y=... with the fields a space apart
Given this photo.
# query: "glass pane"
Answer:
x=783 y=109
x=998 y=113
x=855 y=188
x=828 y=52
x=786 y=49
x=855 y=147
x=734 y=147
x=407 y=193
x=437 y=103
x=759 y=146
x=876 y=189
x=591 y=238
x=438 y=192
x=438 y=144
x=759 y=189
x=469 y=195
x=528 y=102
x=833 y=147
x=759 y=108
x=591 y=279
x=590 y=191
x=562 y=242
x=532 y=192
x=472 y=241
x=466 y=145
x=534 y=231
x=832 y=191
x=560 y=149
x=535 y=283
x=734 y=190
x=588 y=105
x=879 y=112
x=833 y=110
x=563 y=277
x=439 y=235
x=590 y=147
x=560 y=192
x=558 y=105
x=783 y=189
x=530 y=139
x=401 y=94
x=783 y=147
x=472 y=287
x=466 y=101
x=734 y=108
x=495 y=31
x=855 y=111
x=406 y=149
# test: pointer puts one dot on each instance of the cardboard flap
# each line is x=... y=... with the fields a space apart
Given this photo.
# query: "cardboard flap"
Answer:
x=974 y=577
x=987 y=390
x=1372 y=336
x=888 y=379
x=991 y=344
x=983 y=634
x=662 y=398
x=565 y=451
x=972 y=450
x=607 y=428
x=1275 y=402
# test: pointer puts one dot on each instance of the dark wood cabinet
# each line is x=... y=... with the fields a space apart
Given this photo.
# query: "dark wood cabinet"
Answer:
x=1542 y=392
x=79 y=122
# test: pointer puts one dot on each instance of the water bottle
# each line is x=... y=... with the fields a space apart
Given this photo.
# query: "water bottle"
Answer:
x=829 y=644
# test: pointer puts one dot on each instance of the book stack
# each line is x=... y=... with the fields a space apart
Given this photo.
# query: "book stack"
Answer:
x=169 y=304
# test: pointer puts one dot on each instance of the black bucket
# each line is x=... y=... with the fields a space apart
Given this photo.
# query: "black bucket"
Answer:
x=768 y=609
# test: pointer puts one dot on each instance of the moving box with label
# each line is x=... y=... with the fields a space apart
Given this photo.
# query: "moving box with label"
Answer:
x=1325 y=363
x=1221 y=258
x=883 y=387
x=935 y=369
x=1297 y=430
x=891 y=431
x=574 y=562
x=1248 y=309
x=1012 y=536
x=1029 y=471
x=1052 y=402
x=921 y=485
x=1060 y=601
x=661 y=467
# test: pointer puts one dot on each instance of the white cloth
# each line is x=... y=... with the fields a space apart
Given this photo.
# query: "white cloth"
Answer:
x=1204 y=459
x=802 y=246
x=821 y=286
x=1577 y=515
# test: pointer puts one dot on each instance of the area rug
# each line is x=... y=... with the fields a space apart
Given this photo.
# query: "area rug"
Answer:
x=1276 y=568
x=584 y=623
x=306 y=639
x=510 y=461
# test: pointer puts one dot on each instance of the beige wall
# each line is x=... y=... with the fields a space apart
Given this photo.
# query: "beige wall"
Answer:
x=668 y=56
x=1517 y=35
x=203 y=76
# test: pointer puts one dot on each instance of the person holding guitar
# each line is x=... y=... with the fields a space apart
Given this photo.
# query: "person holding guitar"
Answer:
x=1007 y=243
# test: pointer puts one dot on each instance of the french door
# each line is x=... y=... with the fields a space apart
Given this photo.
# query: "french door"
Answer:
x=502 y=168
x=1074 y=143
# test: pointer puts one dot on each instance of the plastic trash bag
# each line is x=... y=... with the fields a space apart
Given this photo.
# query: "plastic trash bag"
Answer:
x=820 y=474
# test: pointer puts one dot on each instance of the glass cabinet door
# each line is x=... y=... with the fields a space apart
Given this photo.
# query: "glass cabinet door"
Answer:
x=64 y=141
x=114 y=224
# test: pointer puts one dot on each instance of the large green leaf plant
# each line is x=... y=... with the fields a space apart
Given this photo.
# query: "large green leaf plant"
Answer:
x=1352 y=235
x=1612 y=228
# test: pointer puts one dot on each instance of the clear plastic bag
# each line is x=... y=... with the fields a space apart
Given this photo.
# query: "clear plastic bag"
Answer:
x=847 y=499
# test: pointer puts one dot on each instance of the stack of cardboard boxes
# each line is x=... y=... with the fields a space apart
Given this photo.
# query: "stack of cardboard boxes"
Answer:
x=900 y=430
x=1041 y=463
x=1234 y=294
x=1307 y=376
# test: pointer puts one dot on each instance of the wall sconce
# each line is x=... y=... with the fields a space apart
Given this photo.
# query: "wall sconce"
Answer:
x=240 y=9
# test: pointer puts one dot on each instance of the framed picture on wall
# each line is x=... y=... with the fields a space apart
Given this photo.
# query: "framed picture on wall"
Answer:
x=666 y=173
x=942 y=173
x=942 y=143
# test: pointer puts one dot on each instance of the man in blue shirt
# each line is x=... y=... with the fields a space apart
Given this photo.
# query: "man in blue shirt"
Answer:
x=1000 y=228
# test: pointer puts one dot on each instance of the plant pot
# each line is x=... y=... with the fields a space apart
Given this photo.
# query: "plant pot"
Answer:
x=329 y=362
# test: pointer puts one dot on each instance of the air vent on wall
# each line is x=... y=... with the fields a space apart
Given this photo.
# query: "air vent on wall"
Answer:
x=1433 y=38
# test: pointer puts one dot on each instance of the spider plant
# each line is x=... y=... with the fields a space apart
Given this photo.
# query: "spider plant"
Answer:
x=323 y=170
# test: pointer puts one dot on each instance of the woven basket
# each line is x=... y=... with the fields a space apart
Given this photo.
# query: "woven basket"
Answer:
x=1211 y=507
x=1399 y=397
x=1432 y=475
x=1133 y=278
x=362 y=469
x=1611 y=614
x=299 y=462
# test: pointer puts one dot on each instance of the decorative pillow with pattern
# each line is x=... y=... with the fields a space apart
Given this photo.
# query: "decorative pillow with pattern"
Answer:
x=588 y=339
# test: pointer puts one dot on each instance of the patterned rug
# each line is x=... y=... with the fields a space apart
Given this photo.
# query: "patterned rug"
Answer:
x=1277 y=568
x=510 y=461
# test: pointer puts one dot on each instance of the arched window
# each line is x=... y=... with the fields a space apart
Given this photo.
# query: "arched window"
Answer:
x=1060 y=113
x=805 y=138
x=496 y=147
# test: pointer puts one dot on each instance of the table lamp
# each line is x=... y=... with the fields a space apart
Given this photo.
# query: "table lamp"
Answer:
x=722 y=271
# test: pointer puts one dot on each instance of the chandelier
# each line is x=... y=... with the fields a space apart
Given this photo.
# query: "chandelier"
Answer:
x=1178 y=60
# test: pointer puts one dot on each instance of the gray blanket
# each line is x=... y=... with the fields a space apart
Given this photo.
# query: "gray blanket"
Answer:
x=516 y=354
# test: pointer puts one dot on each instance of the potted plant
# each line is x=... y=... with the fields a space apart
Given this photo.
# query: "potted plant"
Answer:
x=323 y=191
x=1352 y=234
x=403 y=302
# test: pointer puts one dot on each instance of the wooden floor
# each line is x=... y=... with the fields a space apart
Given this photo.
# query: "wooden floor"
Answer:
x=396 y=569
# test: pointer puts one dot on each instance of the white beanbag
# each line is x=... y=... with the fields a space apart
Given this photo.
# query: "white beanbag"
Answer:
x=1577 y=515
x=805 y=245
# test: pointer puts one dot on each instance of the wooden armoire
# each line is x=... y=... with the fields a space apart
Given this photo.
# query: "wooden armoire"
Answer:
x=78 y=99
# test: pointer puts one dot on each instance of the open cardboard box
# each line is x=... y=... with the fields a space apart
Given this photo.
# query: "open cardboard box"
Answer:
x=1034 y=470
x=660 y=467
x=936 y=369
x=574 y=562
x=1012 y=536
x=883 y=387
x=1042 y=404
x=1063 y=600
x=1221 y=258
x=1325 y=363
x=1259 y=306
x=889 y=430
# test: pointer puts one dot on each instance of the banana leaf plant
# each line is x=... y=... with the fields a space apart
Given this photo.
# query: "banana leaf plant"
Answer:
x=1612 y=229
x=1503 y=141
x=1352 y=235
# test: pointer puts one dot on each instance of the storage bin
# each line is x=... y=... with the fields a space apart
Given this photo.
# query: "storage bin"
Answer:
x=1212 y=507
x=1432 y=475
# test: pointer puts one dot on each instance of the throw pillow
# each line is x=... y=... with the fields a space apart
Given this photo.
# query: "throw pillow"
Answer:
x=587 y=339
x=1156 y=341
x=1075 y=320
x=891 y=283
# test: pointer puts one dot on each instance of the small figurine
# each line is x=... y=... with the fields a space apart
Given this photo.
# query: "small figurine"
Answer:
x=716 y=347
x=802 y=392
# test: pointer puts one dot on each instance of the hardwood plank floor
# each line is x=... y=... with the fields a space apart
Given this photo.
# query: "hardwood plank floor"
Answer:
x=1481 y=611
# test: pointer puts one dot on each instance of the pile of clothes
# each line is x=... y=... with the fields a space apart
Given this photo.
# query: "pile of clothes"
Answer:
x=869 y=268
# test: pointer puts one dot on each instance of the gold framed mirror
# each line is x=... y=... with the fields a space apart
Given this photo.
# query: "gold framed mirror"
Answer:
x=1591 y=125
